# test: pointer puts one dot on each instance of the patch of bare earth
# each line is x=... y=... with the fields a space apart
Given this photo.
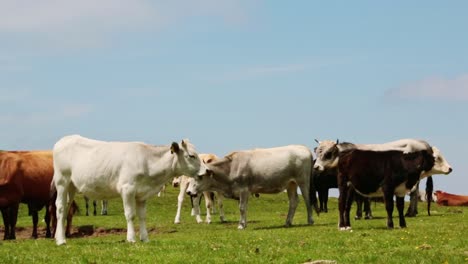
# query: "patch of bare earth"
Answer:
x=77 y=232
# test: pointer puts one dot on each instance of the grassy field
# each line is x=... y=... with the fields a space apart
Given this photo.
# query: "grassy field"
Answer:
x=440 y=238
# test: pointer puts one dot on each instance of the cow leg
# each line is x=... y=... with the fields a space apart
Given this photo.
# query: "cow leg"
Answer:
x=209 y=206
x=325 y=200
x=400 y=203
x=343 y=192
x=293 y=202
x=87 y=205
x=359 y=200
x=70 y=213
x=94 y=207
x=47 y=220
x=62 y=185
x=413 y=206
x=321 y=200
x=196 y=207
x=221 y=207
x=104 y=207
x=306 y=195
x=243 y=200
x=349 y=203
x=35 y=218
x=388 y=200
x=180 y=200
x=141 y=211
x=367 y=208
x=129 y=203
x=13 y=215
x=6 y=222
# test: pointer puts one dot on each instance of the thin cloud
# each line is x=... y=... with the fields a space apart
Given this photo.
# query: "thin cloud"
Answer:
x=90 y=18
x=46 y=116
x=455 y=89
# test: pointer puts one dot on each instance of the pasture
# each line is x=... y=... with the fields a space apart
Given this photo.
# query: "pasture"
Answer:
x=440 y=238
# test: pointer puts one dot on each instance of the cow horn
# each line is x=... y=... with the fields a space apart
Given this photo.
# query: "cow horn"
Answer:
x=318 y=142
x=337 y=141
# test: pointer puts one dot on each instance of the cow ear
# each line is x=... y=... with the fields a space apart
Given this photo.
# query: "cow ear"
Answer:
x=318 y=142
x=174 y=148
x=184 y=143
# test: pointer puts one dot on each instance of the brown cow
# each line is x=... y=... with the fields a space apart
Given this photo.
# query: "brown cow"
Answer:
x=449 y=199
x=25 y=177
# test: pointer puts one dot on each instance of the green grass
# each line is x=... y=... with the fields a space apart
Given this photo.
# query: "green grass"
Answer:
x=440 y=238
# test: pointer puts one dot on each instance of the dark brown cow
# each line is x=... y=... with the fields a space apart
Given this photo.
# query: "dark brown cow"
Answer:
x=449 y=199
x=25 y=177
x=371 y=173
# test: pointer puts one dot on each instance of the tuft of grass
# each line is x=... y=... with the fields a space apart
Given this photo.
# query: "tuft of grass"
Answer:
x=440 y=238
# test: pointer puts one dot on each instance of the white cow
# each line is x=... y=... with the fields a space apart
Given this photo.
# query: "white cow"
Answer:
x=255 y=171
x=184 y=181
x=134 y=171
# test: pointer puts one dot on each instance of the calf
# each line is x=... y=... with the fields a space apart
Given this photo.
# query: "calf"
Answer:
x=183 y=182
x=271 y=170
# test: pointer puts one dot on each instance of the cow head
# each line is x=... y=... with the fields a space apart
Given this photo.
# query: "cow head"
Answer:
x=327 y=155
x=187 y=161
x=176 y=182
x=441 y=166
x=203 y=182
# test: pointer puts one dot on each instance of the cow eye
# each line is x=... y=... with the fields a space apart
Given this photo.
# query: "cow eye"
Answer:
x=328 y=156
x=192 y=156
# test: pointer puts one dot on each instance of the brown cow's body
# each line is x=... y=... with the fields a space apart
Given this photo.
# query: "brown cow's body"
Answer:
x=25 y=176
x=449 y=199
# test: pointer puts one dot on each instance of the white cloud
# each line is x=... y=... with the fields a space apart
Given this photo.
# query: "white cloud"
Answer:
x=434 y=88
x=73 y=17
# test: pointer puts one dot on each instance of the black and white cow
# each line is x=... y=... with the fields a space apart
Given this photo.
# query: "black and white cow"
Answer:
x=384 y=170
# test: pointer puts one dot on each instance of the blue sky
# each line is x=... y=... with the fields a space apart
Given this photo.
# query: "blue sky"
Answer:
x=233 y=75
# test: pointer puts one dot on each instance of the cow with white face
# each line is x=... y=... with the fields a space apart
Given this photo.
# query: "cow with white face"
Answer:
x=134 y=171
x=184 y=181
x=270 y=170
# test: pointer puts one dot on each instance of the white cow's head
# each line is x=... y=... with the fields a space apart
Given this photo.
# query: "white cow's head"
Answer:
x=187 y=161
x=203 y=182
x=441 y=166
x=327 y=155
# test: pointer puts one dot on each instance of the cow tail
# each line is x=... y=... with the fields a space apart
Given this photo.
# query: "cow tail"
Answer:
x=53 y=191
x=313 y=192
x=429 y=190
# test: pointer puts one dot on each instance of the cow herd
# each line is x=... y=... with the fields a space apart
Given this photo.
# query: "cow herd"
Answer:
x=136 y=171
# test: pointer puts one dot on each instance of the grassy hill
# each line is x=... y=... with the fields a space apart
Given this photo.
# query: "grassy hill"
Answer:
x=440 y=238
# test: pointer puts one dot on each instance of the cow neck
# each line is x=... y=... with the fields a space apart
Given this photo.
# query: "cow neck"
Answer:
x=161 y=155
x=221 y=170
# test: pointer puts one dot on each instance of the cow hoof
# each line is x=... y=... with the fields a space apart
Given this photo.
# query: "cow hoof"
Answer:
x=342 y=229
x=177 y=222
x=368 y=217
x=60 y=242
x=208 y=221
x=241 y=227
x=348 y=228
x=146 y=240
x=357 y=217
